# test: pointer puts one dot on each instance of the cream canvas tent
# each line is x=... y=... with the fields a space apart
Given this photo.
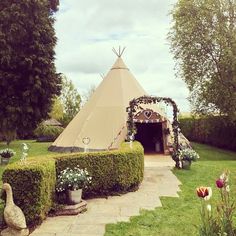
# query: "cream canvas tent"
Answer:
x=101 y=123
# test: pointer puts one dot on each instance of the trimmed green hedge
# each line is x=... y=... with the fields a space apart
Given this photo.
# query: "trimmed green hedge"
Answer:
x=34 y=183
x=33 y=187
x=111 y=171
x=216 y=131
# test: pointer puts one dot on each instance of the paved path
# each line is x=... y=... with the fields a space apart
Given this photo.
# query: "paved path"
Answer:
x=158 y=181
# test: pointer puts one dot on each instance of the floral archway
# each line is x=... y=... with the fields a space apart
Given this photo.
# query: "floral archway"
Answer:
x=134 y=105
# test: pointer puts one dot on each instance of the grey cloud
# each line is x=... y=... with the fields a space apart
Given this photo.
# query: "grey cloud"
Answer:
x=110 y=16
x=87 y=31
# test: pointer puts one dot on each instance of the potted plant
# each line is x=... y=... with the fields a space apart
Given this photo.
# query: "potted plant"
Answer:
x=187 y=155
x=72 y=181
x=6 y=154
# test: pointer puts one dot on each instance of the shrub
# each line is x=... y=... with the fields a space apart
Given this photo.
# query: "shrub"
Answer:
x=33 y=186
x=217 y=131
x=111 y=171
x=47 y=133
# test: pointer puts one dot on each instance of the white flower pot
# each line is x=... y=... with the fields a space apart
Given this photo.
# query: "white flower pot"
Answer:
x=74 y=196
x=4 y=160
x=186 y=164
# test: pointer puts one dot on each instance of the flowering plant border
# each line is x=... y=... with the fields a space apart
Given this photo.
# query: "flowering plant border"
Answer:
x=218 y=221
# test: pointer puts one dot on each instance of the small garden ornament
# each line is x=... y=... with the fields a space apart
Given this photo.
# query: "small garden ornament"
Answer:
x=13 y=216
x=86 y=141
x=24 y=153
x=131 y=139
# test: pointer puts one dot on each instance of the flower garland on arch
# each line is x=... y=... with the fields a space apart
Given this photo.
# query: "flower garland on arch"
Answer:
x=134 y=105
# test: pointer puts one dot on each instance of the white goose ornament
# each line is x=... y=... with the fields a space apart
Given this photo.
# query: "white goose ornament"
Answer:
x=13 y=216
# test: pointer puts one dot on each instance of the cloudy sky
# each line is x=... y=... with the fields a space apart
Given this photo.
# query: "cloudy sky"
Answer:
x=88 y=30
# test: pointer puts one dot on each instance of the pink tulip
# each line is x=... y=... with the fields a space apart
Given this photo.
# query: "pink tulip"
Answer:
x=220 y=183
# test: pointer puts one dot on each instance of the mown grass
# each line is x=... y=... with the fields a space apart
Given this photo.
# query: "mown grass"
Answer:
x=180 y=216
x=35 y=149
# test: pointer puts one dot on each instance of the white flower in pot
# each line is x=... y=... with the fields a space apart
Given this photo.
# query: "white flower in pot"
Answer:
x=72 y=181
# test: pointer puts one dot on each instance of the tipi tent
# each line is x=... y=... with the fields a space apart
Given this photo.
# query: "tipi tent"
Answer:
x=101 y=123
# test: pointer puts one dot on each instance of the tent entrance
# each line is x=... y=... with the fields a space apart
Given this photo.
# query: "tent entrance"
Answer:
x=150 y=135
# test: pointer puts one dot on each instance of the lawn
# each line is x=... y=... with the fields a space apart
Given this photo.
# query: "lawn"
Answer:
x=180 y=216
x=35 y=149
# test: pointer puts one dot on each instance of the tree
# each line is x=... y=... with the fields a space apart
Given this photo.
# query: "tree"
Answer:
x=54 y=5
x=89 y=93
x=67 y=105
x=28 y=79
x=57 y=111
x=203 y=41
x=70 y=100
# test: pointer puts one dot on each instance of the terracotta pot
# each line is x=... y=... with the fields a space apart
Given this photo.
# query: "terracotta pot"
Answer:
x=74 y=196
x=186 y=164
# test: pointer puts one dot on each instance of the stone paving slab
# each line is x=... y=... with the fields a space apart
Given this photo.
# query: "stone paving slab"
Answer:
x=158 y=181
x=96 y=229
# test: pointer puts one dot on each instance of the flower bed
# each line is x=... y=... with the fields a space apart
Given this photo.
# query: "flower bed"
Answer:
x=218 y=221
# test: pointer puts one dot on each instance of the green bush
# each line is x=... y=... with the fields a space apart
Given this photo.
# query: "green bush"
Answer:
x=33 y=186
x=47 y=133
x=216 y=131
x=111 y=171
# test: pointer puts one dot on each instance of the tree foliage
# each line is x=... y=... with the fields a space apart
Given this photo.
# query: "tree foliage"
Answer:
x=54 y=5
x=70 y=100
x=57 y=111
x=28 y=78
x=203 y=40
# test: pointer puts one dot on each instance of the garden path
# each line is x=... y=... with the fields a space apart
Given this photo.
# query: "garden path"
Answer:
x=158 y=181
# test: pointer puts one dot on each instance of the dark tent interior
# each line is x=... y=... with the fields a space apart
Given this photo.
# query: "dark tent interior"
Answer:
x=150 y=136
